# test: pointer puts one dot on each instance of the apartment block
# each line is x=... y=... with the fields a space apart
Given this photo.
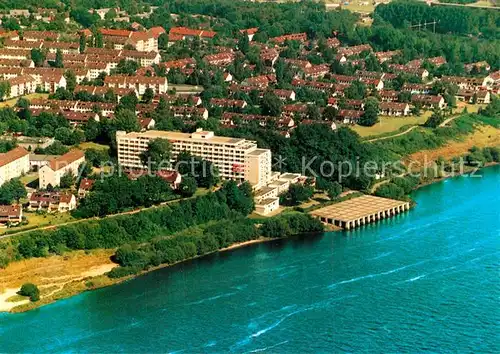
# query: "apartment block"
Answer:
x=13 y=164
x=236 y=158
x=51 y=173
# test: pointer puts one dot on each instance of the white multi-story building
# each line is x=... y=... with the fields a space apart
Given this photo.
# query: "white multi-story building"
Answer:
x=51 y=173
x=235 y=158
x=13 y=164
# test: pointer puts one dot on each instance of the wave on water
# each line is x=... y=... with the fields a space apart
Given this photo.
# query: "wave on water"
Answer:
x=369 y=276
x=267 y=348
x=382 y=255
x=211 y=298
x=212 y=343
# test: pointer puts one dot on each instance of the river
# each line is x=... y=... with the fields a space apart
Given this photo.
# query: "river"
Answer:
x=427 y=280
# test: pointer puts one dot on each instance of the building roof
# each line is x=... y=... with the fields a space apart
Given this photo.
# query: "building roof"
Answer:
x=51 y=197
x=7 y=211
x=12 y=155
x=66 y=159
x=86 y=184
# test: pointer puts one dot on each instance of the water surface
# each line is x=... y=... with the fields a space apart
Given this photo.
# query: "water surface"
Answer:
x=427 y=280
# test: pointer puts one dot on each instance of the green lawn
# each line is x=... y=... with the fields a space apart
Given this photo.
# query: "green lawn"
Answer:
x=390 y=124
x=92 y=145
x=40 y=220
x=29 y=178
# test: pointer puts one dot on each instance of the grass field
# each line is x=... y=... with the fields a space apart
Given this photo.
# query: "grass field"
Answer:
x=12 y=102
x=40 y=220
x=363 y=6
x=390 y=124
x=29 y=178
x=393 y=124
x=92 y=145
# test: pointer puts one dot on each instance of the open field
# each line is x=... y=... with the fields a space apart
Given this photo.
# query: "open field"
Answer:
x=55 y=275
x=12 y=102
x=362 y=6
x=484 y=136
x=393 y=124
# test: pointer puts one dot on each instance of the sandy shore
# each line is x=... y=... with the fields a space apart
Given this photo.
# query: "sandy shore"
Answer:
x=57 y=283
x=247 y=243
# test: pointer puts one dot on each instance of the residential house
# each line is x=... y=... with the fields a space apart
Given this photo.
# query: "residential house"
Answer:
x=394 y=109
x=472 y=96
x=11 y=214
x=250 y=32
x=349 y=116
x=55 y=201
x=85 y=187
x=20 y=86
x=301 y=37
x=429 y=101
x=228 y=103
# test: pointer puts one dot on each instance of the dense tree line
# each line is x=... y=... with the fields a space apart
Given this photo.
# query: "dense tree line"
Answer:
x=398 y=188
x=117 y=193
x=314 y=150
x=12 y=191
x=227 y=203
x=199 y=241
x=451 y=19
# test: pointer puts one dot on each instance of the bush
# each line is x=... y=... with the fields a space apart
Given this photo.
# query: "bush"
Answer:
x=120 y=272
x=31 y=290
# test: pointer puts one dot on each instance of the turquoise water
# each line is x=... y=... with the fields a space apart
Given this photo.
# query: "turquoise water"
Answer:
x=424 y=281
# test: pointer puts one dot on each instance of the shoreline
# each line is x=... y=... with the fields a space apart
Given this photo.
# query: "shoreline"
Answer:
x=89 y=277
x=456 y=174
x=100 y=274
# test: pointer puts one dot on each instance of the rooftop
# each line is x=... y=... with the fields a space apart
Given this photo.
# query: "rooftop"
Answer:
x=357 y=208
x=198 y=136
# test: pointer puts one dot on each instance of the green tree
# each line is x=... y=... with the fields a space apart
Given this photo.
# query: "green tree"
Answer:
x=38 y=56
x=271 y=104
x=356 y=91
x=70 y=80
x=127 y=67
x=4 y=89
x=31 y=290
x=435 y=119
x=296 y=194
x=148 y=95
x=126 y=120
x=330 y=113
x=83 y=42
x=67 y=180
x=243 y=43
x=188 y=186
x=157 y=156
x=11 y=191
x=370 y=116
x=334 y=190
x=58 y=63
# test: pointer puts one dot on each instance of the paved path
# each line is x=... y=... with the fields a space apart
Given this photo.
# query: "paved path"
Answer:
x=393 y=136
x=135 y=211
x=448 y=120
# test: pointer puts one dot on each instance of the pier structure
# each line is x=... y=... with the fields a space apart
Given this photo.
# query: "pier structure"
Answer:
x=358 y=211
